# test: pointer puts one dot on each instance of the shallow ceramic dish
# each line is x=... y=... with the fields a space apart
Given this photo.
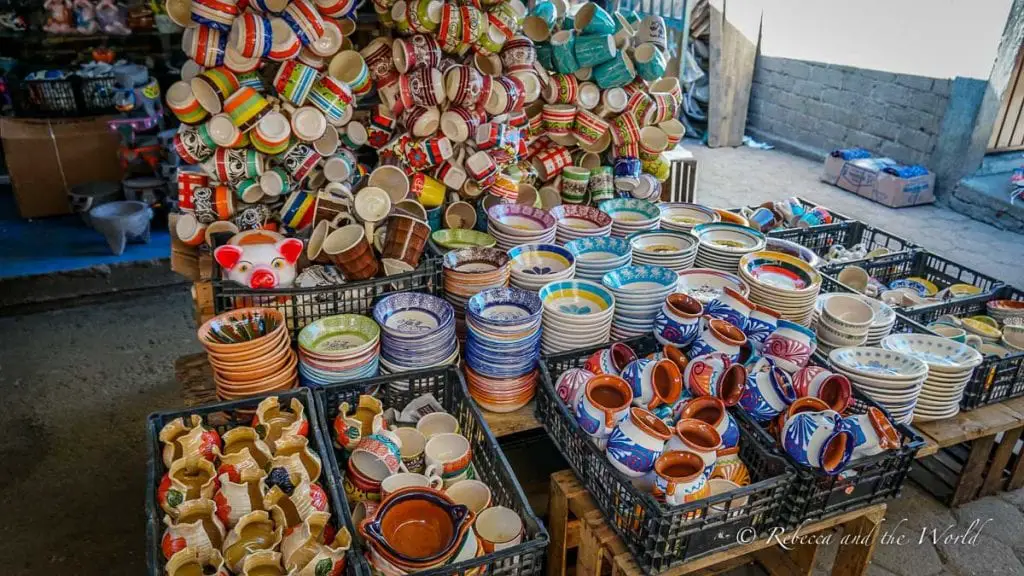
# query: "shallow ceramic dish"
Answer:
x=595 y=249
x=879 y=364
x=986 y=331
x=412 y=314
x=631 y=210
x=922 y=286
x=940 y=354
x=513 y=218
x=504 y=306
x=663 y=243
x=684 y=216
x=706 y=284
x=540 y=259
x=729 y=238
x=581 y=217
x=793 y=249
x=641 y=280
x=1004 y=309
x=239 y=329
x=344 y=334
x=778 y=271
x=576 y=298
x=475 y=260
x=459 y=238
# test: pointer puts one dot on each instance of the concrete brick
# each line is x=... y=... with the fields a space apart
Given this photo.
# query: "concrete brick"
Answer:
x=915 y=119
x=796 y=68
x=928 y=102
x=873 y=108
x=917 y=140
x=893 y=94
x=916 y=82
x=832 y=131
x=859 y=84
x=826 y=76
x=863 y=139
x=879 y=127
x=814 y=109
x=808 y=89
x=790 y=100
x=942 y=87
x=877 y=75
x=841 y=97
x=847 y=116
x=770 y=63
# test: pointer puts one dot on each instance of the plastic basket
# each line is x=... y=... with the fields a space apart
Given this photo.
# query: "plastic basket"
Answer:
x=995 y=379
x=658 y=535
x=301 y=306
x=68 y=97
x=231 y=415
x=848 y=234
x=866 y=481
x=447 y=386
x=921 y=263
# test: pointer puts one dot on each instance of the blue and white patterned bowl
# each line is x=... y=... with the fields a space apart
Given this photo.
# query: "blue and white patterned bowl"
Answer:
x=508 y=307
x=939 y=353
x=641 y=280
x=413 y=315
x=540 y=259
x=630 y=210
x=587 y=250
x=877 y=364
x=575 y=298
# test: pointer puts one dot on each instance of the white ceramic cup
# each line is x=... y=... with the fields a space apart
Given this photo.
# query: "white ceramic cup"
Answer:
x=449 y=455
x=498 y=528
x=405 y=480
x=372 y=205
x=437 y=423
x=472 y=493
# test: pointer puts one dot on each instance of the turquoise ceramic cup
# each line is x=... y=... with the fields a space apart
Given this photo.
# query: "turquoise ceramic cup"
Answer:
x=563 y=51
x=614 y=73
x=593 y=50
x=593 y=20
x=546 y=12
x=567 y=22
x=650 y=62
x=631 y=16
x=545 y=55
x=434 y=218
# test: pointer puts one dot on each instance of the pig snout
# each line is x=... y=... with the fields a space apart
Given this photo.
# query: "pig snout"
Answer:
x=263 y=278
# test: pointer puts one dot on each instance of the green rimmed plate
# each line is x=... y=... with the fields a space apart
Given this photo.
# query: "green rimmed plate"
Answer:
x=339 y=336
x=456 y=238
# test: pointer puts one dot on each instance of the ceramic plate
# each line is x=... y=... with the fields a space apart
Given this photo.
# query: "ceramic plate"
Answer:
x=458 y=238
x=504 y=306
x=878 y=363
x=729 y=238
x=939 y=353
x=540 y=259
x=663 y=243
x=343 y=335
x=576 y=297
x=778 y=270
x=922 y=286
x=688 y=215
x=705 y=284
x=413 y=314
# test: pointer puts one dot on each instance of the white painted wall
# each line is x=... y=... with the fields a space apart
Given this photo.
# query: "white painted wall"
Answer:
x=935 y=38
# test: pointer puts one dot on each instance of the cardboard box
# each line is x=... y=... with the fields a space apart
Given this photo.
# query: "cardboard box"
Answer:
x=865 y=177
x=45 y=158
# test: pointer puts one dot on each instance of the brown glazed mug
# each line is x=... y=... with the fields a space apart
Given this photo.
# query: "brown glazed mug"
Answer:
x=349 y=250
x=406 y=239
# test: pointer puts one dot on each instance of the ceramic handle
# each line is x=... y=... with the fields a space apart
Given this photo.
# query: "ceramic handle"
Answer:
x=436 y=482
x=670 y=489
x=609 y=419
x=368 y=227
x=974 y=341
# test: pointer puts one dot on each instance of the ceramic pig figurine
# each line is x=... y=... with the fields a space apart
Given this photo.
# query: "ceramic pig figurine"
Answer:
x=262 y=261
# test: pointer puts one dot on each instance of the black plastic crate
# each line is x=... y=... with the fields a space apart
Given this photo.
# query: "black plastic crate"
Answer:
x=921 y=263
x=302 y=306
x=848 y=234
x=866 y=481
x=995 y=379
x=230 y=415
x=807 y=204
x=658 y=535
x=448 y=387
x=62 y=98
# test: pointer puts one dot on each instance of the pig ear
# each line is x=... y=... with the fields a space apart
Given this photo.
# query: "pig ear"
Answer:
x=227 y=256
x=290 y=249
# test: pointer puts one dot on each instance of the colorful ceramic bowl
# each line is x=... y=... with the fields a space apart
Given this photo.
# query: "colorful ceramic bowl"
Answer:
x=641 y=280
x=682 y=216
x=879 y=364
x=793 y=249
x=349 y=334
x=504 y=306
x=631 y=210
x=475 y=260
x=460 y=238
x=239 y=329
x=516 y=218
x=581 y=217
x=576 y=298
x=780 y=271
x=706 y=284
x=729 y=238
x=924 y=287
x=412 y=314
x=540 y=259
x=599 y=249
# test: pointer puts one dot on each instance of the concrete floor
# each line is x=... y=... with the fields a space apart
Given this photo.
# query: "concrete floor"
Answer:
x=78 y=383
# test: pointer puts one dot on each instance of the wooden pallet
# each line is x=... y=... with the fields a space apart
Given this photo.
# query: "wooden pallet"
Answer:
x=574 y=522
x=973 y=454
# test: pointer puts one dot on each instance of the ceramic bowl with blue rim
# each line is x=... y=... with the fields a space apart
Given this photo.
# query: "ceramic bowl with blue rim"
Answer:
x=504 y=307
x=641 y=280
x=599 y=249
x=540 y=259
x=878 y=364
x=577 y=298
x=517 y=219
x=729 y=238
x=413 y=315
x=795 y=250
x=707 y=285
x=630 y=210
x=939 y=353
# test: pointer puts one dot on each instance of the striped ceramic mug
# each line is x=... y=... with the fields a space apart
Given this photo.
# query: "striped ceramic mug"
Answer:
x=246 y=107
x=184 y=104
x=217 y=14
x=294 y=80
x=272 y=133
x=332 y=97
x=589 y=127
x=251 y=35
x=205 y=45
x=625 y=129
x=213 y=87
x=303 y=18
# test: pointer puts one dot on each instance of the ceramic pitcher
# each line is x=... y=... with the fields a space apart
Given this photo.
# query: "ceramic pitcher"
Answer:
x=678 y=321
x=712 y=410
x=768 y=392
x=732 y=307
x=636 y=442
x=610 y=360
x=196 y=526
x=873 y=433
x=604 y=403
x=790 y=346
x=275 y=421
x=718 y=336
x=715 y=374
x=680 y=477
x=818 y=382
x=654 y=382
x=236 y=499
x=365 y=419
x=183 y=438
x=254 y=532
x=819 y=440
x=303 y=549
x=699 y=437
x=294 y=454
x=760 y=325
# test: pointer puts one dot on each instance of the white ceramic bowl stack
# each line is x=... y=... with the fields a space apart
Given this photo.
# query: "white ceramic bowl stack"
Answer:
x=639 y=294
x=783 y=283
x=682 y=217
x=577 y=314
x=595 y=257
x=892 y=379
x=706 y=285
x=534 y=265
x=722 y=245
x=574 y=221
x=950 y=367
x=515 y=224
x=631 y=215
x=673 y=250
x=882 y=325
x=844 y=321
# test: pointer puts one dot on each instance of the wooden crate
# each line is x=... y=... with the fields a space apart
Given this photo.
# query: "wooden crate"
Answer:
x=681 y=185
x=202 y=302
x=973 y=454
x=574 y=522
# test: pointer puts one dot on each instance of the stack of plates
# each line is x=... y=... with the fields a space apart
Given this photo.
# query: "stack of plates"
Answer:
x=574 y=221
x=673 y=250
x=418 y=331
x=469 y=271
x=502 y=347
x=706 y=284
x=793 y=249
x=250 y=352
x=781 y=282
x=891 y=379
x=631 y=215
x=534 y=265
x=1004 y=310
x=595 y=257
x=722 y=245
x=338 y=349
x=950 y=367
x=682 y=217
x=885 y=316
x=844 y=321
x=515 y=224
x=639 y=293
x=577 y=314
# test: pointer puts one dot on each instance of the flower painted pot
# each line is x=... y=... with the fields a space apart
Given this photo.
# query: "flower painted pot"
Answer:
x=818 y=440
x=678 y=321
x=873 y=433
x=680 y=478
x=571 y=384
x=768 y=392
x=604 y=403
x=637 y=442
x=699 y=437
x=732 y=307
x=610 y=360
x=715 y=374
x=712 y=410
x=790 y=346
x=817 y=382
x=760 y=325
x=654 y=382
x=718 y=336
x=378 y=455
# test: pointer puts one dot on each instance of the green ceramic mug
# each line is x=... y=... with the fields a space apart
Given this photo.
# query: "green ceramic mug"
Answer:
x=563 y=50
x=650 y=62
x=593 y=50
x=574 y=184
x=615 y=73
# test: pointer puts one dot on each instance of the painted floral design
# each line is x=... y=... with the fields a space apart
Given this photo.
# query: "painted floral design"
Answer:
x=589 y=424
x=799 y=431
x=630 y=454
x=538 y=270
x=412 y=325
x=577 y=309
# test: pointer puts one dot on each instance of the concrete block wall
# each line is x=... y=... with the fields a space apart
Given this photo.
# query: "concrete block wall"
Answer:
x=816 y=107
